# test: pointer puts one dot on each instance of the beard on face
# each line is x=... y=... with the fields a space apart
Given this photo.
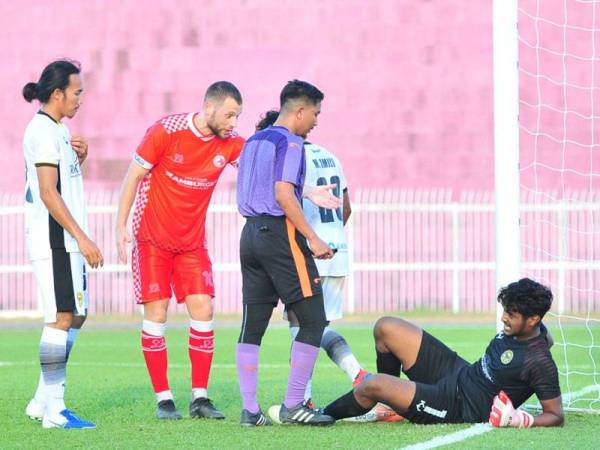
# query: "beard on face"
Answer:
x=214 y=128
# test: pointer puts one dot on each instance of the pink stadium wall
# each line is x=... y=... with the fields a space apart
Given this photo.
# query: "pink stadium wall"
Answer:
x=407 y=82
x=408 y=104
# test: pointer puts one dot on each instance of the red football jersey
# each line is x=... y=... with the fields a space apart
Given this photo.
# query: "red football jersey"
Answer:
x=173 y=198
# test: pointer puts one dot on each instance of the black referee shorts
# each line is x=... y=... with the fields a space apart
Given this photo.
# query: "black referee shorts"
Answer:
x=435 y=374
x=276 y=262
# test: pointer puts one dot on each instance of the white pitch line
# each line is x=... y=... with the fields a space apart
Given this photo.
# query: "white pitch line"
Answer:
x=566 y=397
x=569 y=397
x=584 y=391
x=475 y=430
x=481 y=428
x=580 y=393
x=135 y=365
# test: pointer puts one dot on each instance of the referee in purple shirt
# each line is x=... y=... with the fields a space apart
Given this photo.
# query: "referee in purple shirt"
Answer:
x=276 y=254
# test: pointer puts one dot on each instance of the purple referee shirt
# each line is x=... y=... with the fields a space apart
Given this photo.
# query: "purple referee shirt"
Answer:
x=271 y=155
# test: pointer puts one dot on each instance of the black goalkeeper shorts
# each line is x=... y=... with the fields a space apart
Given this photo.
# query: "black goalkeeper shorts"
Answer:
x=435 y=374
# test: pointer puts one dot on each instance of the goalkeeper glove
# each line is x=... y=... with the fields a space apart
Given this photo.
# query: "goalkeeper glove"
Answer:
x=504 y=414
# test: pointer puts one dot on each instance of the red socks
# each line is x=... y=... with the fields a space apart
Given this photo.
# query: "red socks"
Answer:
x=201 y=347
x=155 y=354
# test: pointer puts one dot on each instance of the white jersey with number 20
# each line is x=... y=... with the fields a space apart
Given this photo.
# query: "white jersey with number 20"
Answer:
x=322 y=167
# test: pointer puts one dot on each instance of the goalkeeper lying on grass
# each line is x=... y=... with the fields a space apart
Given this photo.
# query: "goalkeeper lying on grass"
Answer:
x=444 y=388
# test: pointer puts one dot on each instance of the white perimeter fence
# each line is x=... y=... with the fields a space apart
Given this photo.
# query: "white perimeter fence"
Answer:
x=410 y=250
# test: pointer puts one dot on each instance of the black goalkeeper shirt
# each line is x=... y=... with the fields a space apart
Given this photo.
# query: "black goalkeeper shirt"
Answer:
x=520 y=368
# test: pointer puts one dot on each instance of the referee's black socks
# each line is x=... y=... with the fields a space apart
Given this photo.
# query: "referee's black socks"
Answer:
x=388 y=363
x=345 y=406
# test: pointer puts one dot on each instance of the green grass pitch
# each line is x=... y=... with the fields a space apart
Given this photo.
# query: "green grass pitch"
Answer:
x=108 y=384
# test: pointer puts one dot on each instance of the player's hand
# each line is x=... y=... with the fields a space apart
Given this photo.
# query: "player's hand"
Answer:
x=320 y=249
x=80 y=146
x=504 y=414
x=123 y=238
x=322 y=196
x=90 y=252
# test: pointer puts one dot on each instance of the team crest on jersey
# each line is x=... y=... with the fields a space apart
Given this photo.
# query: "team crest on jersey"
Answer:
x=506 y=357
x=80 y=299
x=75 y=168
x=219 y=161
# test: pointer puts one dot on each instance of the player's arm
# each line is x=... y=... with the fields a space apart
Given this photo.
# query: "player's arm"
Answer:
x=347 y=207
x=48 y=180
x=135 y=174
x=552 y=413
x=285 y=196
x=504 y=414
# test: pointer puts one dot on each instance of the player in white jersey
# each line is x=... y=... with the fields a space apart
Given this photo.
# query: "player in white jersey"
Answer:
x=322 y=167
x=56 y=233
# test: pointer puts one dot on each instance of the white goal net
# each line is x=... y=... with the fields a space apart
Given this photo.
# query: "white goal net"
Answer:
x=559 y=134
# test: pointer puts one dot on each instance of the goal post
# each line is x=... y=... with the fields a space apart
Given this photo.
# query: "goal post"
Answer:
x=506 y=144
x=547 y=173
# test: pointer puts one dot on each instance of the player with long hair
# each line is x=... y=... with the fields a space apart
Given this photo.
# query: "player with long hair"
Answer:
x=58 y=240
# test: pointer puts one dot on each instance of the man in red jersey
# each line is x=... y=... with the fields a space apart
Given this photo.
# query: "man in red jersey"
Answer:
x=178 y=164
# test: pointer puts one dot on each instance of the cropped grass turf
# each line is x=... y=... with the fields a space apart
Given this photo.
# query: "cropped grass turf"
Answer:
x=108 y=384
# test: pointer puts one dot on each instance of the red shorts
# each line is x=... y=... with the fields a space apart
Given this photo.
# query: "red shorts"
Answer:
x=158 y=273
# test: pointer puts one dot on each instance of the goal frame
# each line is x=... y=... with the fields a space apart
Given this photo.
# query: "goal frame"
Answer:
x=506 y=161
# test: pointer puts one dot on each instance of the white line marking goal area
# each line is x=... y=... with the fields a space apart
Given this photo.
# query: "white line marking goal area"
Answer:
x=447 y=439
x=481 y=428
